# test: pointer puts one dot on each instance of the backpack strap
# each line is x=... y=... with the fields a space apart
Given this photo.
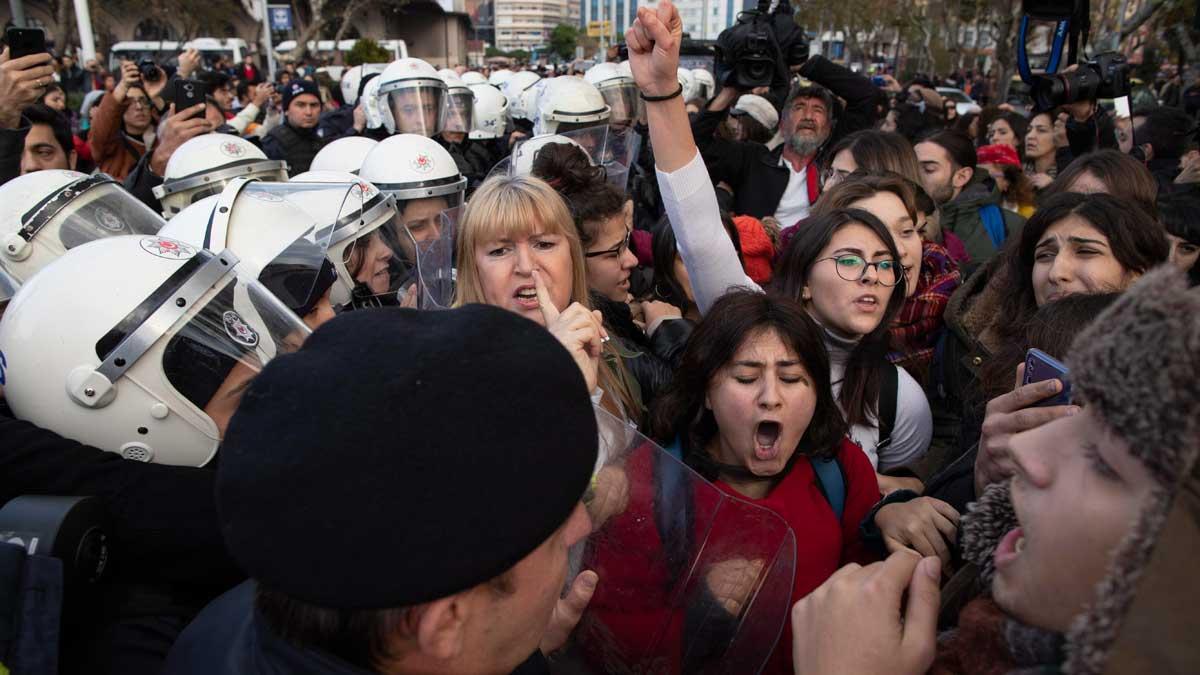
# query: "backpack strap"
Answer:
x=889 y=387
x=832 y=483
x=993 y=222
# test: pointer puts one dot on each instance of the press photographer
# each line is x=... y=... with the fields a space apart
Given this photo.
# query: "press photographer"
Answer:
x=760 y=55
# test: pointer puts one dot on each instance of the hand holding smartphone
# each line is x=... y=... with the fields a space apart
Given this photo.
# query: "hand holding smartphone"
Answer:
x=24 y=41
x=1039 y=367
x=189 y=93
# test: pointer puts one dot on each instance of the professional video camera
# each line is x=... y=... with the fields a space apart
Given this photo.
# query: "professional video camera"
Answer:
x=1103 y=76
x=759 y=48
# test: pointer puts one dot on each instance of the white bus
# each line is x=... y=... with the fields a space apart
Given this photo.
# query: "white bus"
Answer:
x=167 y=51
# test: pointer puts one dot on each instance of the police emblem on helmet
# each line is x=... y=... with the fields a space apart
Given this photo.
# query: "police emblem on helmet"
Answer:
x=231 y=149
x=109 y=220
x=167 y=248
x=422 y=164
x=238 y=330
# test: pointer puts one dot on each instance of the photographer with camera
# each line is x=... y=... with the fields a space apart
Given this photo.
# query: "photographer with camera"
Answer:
x=123 y=124
x=762 y=51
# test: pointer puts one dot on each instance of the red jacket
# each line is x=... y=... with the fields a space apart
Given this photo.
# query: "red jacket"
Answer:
x=638 y=614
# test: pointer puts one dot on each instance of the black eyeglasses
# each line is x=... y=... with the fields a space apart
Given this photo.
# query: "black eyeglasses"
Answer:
x=853 y=268
x=615 y=251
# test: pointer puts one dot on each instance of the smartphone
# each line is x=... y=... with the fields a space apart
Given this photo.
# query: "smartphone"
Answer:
x=878 y=81
x=1039 y=367
x=189 y=93
x=25 y=41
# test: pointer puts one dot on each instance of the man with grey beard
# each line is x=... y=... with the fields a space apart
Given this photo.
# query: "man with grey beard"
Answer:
x=783 y=178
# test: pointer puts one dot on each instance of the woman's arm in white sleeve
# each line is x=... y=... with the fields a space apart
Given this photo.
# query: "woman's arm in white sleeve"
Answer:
x=691 y=205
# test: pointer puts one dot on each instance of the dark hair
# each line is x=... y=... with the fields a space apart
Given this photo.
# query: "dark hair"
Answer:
x=858 y=186
x=810 y=91
x=879 y=151
x=1020 y=188
x=39 y=113
x=736 y=317
x=52 y=87
x=754 y=130
x=588 y=194
x=1017 y=123
x=215 y=79
x=1137 y=241
x=1170 y=131
x=859 y=396
x=663 y=251
x=958 y=147
x=366 y=638
x=1051 y=329
x=1179 y=213
x=1125 y=177
x=963 y=124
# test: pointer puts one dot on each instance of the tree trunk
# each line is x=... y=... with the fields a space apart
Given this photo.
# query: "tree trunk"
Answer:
x=1005 y=25
x=1144 y=14
x=352 y=8
x=312 y=30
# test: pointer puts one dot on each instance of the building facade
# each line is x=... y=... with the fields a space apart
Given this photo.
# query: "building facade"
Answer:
x=702 y=19
x=527 y=24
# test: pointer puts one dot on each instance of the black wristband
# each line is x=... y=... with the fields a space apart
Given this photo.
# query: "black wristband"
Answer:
x=658 y=99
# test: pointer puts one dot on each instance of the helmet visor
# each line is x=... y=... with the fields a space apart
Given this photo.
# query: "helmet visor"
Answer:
x=457 y=114
x=105 y=210
x=296 y=270
x=416 y=110
x=386 y=263
x=626 y=104
x=213 y=354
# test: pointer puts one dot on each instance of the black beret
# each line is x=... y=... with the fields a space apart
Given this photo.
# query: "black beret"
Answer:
x=403 y=456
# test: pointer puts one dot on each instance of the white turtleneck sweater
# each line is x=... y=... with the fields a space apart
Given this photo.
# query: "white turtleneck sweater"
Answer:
x=914 y=421
x=712 y=264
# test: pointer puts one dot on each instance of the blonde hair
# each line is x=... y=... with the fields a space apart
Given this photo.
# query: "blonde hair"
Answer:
x=514 y=207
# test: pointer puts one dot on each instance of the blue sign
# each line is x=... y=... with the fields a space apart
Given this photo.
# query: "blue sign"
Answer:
x=281 y=17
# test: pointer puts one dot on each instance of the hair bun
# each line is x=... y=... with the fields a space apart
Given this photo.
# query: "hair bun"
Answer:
x=566 y=167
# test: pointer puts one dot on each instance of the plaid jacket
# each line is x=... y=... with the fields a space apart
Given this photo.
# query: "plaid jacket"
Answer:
x=916 y=329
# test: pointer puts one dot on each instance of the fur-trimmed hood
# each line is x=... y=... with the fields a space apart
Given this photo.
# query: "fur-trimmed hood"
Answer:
x=1138 y=368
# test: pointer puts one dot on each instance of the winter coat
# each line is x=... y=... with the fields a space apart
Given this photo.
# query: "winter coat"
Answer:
x=753 y=170
x=115 y=152
x=961 y=216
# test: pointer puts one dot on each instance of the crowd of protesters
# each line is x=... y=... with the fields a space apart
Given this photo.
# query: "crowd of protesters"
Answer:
x=624 y=370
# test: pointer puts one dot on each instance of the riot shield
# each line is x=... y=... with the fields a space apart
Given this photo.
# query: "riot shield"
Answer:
x=614 y=148
x=428 y=282
x=692 y=579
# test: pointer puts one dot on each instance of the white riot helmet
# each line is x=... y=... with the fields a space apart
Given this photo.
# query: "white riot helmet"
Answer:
x=280 y=231
x=46 y=213
x=204 y=165
x=409 y=167
x=569 y=101
x=619 y=90
x=410 y=98
x=374 y=254
x=518 y=91
x=353 y=77
x=344 y=154
x=473 y=77
x=706 y=86
x=371 y=103
x=458 y=105
x=152 y=342
x=688 y=82
x=490 y=112
x=499 y=77
x=526 y=151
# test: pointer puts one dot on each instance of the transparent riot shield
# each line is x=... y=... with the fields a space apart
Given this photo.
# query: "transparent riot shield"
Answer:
x=614 y=148
x=692 y=579
x=428 y=281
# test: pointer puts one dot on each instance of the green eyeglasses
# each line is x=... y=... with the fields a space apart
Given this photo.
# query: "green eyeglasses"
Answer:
x=853 y=268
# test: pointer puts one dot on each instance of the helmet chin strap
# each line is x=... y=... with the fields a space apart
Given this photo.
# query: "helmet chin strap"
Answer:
x=362 y=297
